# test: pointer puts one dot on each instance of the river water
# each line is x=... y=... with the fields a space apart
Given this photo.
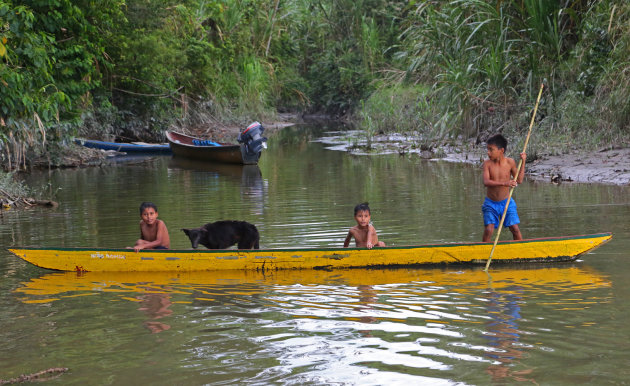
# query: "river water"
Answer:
x=540 y=324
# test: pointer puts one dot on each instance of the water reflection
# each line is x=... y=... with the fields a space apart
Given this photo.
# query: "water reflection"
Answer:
x=503 y=335
x=365 y=282
x=403 y=325
x=367 y=298
x=247 y=174
x=156 y=306
x=253 y=187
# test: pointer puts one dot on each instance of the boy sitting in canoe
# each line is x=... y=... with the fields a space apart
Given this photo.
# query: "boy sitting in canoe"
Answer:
x=498 y=171
x=153 y=232
x=364 y=233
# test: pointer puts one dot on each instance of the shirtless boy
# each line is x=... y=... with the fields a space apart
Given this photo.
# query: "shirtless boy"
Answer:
x=364 y=233
x=498 y=174
x=153 y=232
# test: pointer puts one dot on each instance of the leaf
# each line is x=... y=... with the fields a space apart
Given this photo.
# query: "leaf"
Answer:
x=3 y=49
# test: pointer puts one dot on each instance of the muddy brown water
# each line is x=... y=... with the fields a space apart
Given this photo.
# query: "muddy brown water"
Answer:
x=552 y=324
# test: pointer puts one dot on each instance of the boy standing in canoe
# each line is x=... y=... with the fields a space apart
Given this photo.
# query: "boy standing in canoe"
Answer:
x=364 y=233
x=498 y=174
x=153 y=232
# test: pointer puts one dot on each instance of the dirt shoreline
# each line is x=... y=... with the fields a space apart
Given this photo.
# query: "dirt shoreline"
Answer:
x=607 y=166
x=80 y=156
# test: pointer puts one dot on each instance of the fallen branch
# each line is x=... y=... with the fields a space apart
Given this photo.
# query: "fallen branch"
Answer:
x=43 y=375
x=8 y=201
x=9 y=196
x=47 y=203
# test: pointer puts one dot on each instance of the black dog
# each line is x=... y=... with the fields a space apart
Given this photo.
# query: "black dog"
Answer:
x=222 y=234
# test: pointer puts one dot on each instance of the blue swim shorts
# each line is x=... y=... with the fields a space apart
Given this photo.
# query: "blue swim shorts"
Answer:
x=493 y=210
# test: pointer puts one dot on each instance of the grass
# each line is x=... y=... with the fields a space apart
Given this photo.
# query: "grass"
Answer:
x=473 y=69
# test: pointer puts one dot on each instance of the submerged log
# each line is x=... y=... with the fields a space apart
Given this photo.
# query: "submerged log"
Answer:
x=47 y=203
x=8 y=202
x=44 y=375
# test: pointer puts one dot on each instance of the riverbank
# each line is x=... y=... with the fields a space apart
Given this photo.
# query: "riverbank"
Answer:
x=79 y=156
x=14 y=194
x=605 y=166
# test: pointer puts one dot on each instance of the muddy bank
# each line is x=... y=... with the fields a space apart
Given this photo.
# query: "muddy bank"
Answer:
x=607 y=166
x=611 y=166
x=80 y=156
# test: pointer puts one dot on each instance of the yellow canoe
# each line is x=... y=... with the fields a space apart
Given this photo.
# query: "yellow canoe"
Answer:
x=542 y=250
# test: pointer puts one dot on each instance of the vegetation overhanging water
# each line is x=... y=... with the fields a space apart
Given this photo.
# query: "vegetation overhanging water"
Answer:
x=128 y=70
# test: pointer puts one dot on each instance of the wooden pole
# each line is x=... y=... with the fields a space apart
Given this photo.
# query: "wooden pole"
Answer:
x=518 y=170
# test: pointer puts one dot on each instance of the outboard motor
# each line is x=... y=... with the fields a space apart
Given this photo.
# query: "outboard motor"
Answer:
x=253 y=140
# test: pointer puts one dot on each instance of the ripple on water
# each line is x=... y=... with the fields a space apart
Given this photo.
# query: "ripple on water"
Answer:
x=426 y=326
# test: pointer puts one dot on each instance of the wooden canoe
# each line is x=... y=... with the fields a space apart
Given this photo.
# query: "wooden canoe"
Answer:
x=124 y=147
x=542 y=250
x=185 y=146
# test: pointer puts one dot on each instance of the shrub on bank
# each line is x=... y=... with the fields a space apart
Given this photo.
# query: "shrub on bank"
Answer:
x=12 y=190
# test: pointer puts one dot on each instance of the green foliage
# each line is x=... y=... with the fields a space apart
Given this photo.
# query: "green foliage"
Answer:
x=484 y=61
x=133 y=68
x=341 y=45
x=408 y=110
x=612 y=91
x=465 y=49
x=47 y=71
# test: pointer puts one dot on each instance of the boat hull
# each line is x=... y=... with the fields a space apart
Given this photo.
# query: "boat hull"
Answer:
x=524 y=251
x=136 y=148
x=182 y=146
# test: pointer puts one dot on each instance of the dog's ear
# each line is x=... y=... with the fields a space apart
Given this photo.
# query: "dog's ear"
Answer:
x=185 y=230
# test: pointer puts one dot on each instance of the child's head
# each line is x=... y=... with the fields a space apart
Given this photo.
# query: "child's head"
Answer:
x=362 y=214
x=364 y=206
x=499 y=141
x=496 y=146
x=147 y=205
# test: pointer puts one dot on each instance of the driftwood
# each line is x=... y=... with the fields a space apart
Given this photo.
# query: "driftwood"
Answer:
x=8 y=200
x=48 y=203
x=44 y=375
